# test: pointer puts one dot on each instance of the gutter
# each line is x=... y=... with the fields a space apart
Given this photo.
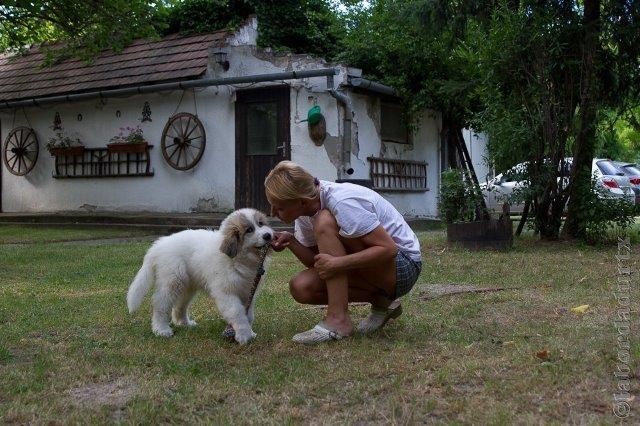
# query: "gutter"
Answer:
x=345 y=149
x=371 y=86
x=161 y=87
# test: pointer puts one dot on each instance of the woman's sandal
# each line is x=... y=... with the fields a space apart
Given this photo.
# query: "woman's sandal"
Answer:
x=379 y=317
x=319 y=334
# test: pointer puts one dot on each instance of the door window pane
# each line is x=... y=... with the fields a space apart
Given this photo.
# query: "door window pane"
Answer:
x=262 y=128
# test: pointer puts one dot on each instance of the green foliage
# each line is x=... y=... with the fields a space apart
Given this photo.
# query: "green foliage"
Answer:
x=618 y=137
x=61 y=139
x=299 y=26
x=85 y=28
x=458 y=198
x=606 y=216
x=129 y=135
x=198 y=16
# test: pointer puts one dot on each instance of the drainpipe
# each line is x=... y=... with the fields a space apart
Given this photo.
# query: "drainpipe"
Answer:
x=345 y=149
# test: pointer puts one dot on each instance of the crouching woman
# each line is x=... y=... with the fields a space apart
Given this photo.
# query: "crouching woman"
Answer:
x=355 y=245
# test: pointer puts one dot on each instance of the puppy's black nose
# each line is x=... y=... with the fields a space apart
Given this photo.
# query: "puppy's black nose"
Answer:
x=267 y=237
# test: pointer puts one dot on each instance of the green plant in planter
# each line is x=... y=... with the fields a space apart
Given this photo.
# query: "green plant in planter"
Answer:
x=61 y=139
x=458 y=198
x=131 y=135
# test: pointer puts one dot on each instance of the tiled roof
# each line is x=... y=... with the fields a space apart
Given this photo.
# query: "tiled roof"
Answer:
x=143 y=62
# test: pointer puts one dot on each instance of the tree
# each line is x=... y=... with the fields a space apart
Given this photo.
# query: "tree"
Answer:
x=528 y=72
x=85 y=28
x=609 y=77
x=299 y=26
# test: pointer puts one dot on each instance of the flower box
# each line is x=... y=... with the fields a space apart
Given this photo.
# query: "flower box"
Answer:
x=128 y=147
x=67 y=151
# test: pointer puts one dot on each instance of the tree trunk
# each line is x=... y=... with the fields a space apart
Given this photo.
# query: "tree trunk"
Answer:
x=580 y=183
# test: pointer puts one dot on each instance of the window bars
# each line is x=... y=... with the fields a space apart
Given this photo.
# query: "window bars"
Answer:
x=398 y=175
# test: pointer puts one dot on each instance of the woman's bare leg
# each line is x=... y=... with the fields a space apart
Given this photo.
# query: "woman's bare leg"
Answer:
x=327 y=238
x=308 y=288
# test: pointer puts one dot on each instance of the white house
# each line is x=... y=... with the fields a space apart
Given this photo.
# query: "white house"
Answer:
x=477 y=147
x=218 y=113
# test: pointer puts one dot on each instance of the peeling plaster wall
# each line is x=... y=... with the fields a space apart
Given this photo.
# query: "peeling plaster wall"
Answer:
x=210 y=186
x=424 y=148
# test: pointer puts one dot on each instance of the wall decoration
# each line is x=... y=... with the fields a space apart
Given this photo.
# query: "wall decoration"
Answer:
x=57 y=122
x=183 y=141
x=317 y=125
x=20 y=151
x=146 y=112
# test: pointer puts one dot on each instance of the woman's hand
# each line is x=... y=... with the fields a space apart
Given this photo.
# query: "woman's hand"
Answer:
x=326 y=265
x=281 y=240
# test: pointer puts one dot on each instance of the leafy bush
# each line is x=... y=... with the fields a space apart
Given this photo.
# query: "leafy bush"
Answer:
x=458 y=197
x=607 y=217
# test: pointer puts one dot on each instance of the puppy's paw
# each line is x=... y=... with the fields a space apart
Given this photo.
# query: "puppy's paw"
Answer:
x=163 y=332
x=187 y=323
x=245 y=337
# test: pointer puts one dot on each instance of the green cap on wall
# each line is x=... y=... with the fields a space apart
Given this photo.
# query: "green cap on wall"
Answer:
x=314 y=115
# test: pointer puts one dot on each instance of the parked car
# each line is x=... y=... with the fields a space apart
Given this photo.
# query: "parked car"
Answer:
x=610 y=182
x=633 y=171
x=501 y=188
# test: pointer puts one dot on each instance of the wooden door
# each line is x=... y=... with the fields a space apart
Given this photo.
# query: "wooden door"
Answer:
x=262 y=140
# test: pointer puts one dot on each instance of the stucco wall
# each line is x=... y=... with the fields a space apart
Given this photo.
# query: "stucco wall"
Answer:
x=477 y=147
x=210 y=186
x=323 y=161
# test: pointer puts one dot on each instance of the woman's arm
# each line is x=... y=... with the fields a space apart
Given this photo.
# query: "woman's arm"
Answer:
x=380 y=247
x=304 y=254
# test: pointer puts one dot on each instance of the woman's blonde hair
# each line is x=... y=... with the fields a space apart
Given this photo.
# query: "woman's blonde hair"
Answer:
x=288 y=181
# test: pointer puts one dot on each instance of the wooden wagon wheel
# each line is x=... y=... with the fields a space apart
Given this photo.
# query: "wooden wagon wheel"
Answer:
x=183 y=141
x=20 y=151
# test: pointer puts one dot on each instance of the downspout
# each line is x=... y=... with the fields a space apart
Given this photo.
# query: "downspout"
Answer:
x=345 y=148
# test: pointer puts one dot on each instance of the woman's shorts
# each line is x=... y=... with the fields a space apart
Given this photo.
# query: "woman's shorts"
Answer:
x=407 y=271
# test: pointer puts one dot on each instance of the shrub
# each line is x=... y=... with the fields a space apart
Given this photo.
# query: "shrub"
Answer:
x=459 y=199
x=607 y=217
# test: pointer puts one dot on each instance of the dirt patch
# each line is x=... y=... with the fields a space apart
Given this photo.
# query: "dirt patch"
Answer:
x=115 y=393
x=438 y=290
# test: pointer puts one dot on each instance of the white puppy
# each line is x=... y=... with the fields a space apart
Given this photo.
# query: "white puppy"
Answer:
x=223 y=263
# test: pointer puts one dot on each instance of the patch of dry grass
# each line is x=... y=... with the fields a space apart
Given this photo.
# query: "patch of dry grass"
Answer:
x=69 y=352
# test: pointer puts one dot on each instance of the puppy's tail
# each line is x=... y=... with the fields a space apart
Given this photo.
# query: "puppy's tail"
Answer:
x=140 y=285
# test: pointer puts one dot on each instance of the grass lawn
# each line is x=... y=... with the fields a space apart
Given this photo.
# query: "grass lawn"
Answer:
x=70 y=352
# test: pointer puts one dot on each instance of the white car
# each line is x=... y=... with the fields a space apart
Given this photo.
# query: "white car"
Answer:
x=633 y=171
x=501 y=187
x=610 y=182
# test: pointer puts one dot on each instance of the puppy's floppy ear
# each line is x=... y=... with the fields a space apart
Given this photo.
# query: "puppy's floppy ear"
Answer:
x=231 y=241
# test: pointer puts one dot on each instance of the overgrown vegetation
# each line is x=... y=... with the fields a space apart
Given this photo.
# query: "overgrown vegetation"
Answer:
x=459 y=200
x=535 y=76
x=300 y=26
x=607 y=218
